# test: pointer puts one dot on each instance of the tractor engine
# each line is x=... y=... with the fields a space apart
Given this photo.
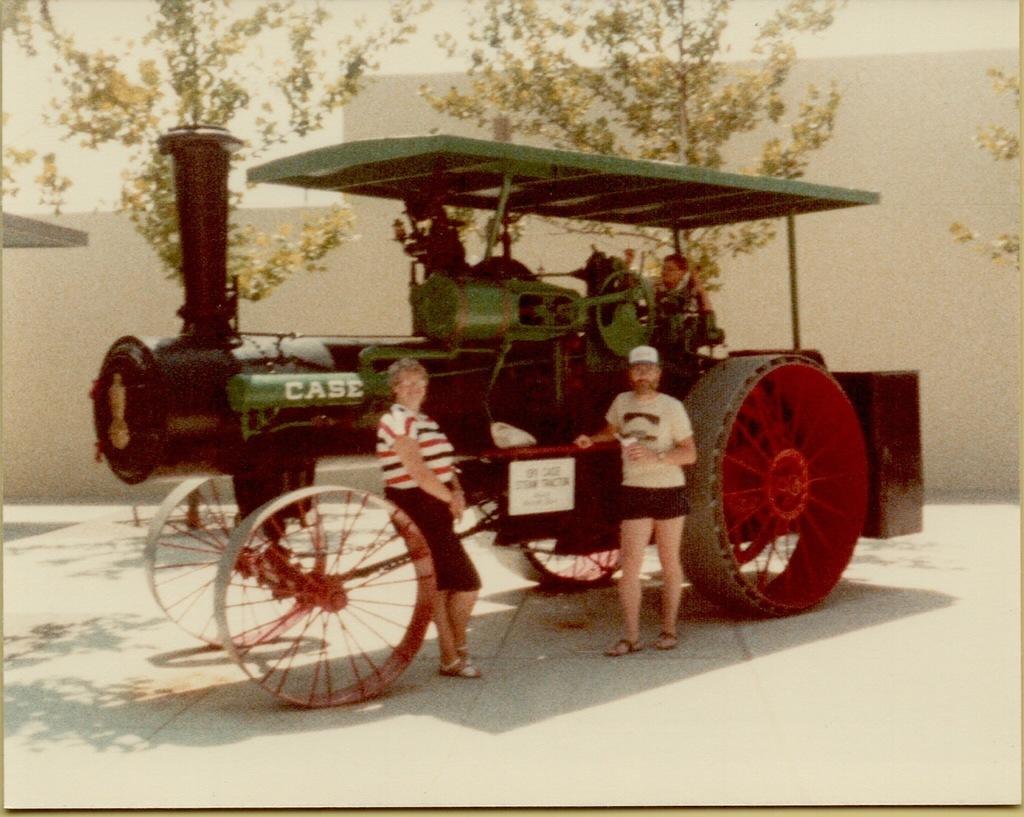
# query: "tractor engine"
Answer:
x=175 y=406
x=208 y=399
x=470 y=310
x=265 y=407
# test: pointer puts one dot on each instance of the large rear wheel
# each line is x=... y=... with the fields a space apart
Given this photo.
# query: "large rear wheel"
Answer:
x=779 y=488
x=324 y=595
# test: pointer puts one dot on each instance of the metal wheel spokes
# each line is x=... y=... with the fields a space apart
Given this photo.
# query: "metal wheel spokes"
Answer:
x=572 y=570
x=324 y=595
x=187 y=537
x=794 y=485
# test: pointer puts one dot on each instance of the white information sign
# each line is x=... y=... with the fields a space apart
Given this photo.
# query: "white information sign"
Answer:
x=541 y=486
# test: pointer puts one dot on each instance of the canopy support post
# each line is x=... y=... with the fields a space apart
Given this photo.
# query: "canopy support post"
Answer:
x=794 y=304
x=498 y=219
x=676 y=241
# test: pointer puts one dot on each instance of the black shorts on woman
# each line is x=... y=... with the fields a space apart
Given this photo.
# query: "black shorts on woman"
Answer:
x=652 y=503
x=453 y=569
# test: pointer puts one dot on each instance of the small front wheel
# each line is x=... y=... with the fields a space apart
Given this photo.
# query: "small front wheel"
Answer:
x=186 y=539
x=324 y=595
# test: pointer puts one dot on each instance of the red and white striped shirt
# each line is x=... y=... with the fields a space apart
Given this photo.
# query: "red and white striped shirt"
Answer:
x=434 y=446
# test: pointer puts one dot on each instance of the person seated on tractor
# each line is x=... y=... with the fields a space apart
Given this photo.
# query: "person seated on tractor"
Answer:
x=679 y=289
x=434 y=239
x=684 y=310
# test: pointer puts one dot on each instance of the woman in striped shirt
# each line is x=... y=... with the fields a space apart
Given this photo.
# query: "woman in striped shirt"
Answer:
x=417 y=460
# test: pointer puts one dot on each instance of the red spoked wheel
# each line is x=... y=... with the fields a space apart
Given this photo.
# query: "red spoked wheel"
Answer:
x=570 y=571
x=539 y=561
x=324 y=595
x=780 y=486
x=186 y=540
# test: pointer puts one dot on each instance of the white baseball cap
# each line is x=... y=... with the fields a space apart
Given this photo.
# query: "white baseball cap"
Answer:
x=643 y=354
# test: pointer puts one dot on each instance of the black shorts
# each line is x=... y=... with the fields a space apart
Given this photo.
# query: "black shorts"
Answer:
x=652 y=503
x=453 y=569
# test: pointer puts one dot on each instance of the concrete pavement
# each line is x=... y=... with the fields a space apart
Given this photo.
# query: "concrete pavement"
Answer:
x=903 y=687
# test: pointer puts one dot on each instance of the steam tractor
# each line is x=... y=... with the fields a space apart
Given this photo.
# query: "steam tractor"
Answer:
x=322 y=593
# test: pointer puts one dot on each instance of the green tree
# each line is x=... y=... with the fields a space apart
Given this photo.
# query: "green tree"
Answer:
x=205 y=62
x=1003 y=145
x=16 y=25
x=646 y=78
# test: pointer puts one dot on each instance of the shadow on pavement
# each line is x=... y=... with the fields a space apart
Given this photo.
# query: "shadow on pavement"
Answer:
x=542 y=659
x=21 y=530
x=900 y=552
x=101 y=550
x=58 y=639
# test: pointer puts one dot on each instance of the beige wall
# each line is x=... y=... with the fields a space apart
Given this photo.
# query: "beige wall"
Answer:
x=880 y=287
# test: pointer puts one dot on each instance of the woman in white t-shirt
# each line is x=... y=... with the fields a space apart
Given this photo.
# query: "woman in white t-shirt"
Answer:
x=417 y=460
x=657 y=440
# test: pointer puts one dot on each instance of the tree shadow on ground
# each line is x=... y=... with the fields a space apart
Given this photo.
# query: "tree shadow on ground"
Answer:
x=541 y=656
x=900 y=552
x=60 y=639
x=88 y=550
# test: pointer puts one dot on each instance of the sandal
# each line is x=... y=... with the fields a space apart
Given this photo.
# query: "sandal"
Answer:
x=459 y=668
x=666 y=641
x=623 y=647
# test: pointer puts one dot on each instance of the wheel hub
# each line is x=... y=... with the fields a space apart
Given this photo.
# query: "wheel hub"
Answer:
x=788 y=484
x=272 y=568
x=325 y=592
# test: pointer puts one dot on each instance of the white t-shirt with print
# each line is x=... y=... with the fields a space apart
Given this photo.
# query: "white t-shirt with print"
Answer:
x=660 y=424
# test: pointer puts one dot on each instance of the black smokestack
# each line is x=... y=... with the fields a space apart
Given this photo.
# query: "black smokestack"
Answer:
x=201 y=163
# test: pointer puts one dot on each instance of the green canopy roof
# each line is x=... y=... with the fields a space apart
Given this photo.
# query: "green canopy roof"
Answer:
x=547 y=182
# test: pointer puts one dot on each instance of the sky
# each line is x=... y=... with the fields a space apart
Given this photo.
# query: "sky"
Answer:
x=863 y=27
